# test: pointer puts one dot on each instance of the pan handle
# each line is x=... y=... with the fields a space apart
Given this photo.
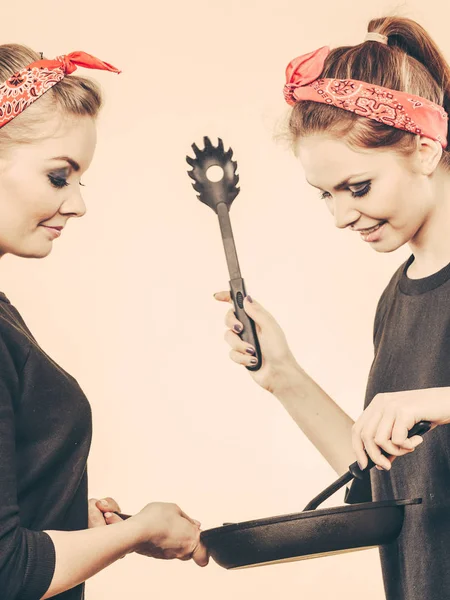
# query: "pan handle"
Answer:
x=238 y=293
x=354 y=471
x=419 y=429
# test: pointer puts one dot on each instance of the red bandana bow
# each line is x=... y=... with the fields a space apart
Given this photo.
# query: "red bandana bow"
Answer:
x=391 y=107
x=26 y=86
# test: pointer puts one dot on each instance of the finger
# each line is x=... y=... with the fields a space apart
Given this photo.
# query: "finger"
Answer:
x=373 y=450
x=257 y=312
x=108 y=504
x=232 y=322
x=190 y=519
x=241 y=359
x=237 y=344
x=415 y=441
x=400 y=433
x=200 y=555
x=112 y=518
x=358 y=446
x=223 y=296
x=95 y=516
x=383 y=435
x=96 y=519
x=185 y=557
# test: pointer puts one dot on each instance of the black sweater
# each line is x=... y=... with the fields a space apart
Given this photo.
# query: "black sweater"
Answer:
x=45 y=435
x=412 y=352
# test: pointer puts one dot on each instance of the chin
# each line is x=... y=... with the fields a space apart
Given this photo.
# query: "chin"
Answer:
x=387 y=246
x=32 y=253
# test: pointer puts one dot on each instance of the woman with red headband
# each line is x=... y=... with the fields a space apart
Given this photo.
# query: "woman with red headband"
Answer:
x=369 y=124
x=51 y=539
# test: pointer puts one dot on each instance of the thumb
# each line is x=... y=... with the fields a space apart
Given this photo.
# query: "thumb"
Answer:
x=415 y=441
x=190 y=519
x=256 y=311
x=112 y=518
x=222 y=296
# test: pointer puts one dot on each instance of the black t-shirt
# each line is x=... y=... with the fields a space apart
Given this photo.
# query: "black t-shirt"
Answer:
x=412 y=351
x=45 y=436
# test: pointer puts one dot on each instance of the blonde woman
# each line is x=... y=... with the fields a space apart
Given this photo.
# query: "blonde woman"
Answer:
x=51 y=538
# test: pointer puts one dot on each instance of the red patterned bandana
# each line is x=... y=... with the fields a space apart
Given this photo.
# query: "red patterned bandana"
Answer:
x=391 y=107
x=26 y=86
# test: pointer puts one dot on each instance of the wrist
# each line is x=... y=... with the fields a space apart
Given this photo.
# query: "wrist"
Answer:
x=286 y=378
x=136 y=533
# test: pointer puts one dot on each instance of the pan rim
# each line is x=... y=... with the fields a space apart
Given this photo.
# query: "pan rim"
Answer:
x=346 y=508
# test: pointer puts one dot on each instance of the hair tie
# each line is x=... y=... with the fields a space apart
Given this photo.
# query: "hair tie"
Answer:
x=374 y=36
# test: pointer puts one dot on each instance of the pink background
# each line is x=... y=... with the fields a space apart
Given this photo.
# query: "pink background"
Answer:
x=124 y=302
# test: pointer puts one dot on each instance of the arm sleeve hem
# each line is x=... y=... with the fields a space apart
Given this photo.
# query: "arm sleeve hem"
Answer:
x=41 y=565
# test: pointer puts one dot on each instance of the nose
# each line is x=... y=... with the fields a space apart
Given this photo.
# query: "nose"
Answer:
x=344 y=212
x=74 y=205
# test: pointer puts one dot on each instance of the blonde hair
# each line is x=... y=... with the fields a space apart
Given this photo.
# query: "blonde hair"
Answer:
x=410 y=62
x=73 y=96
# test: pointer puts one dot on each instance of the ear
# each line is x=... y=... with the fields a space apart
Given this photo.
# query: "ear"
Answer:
x=429 y=155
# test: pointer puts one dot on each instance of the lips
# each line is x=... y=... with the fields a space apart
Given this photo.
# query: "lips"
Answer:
x=57 y=227
x=371 y=229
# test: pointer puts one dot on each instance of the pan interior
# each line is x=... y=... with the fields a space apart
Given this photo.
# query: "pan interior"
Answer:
x=347 y=508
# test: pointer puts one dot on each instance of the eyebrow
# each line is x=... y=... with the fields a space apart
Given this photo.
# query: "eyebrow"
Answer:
x=342 y=184
x=73 y=163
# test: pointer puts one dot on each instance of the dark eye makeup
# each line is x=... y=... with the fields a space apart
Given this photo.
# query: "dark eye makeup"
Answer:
x=59 y=182
x=358 y=194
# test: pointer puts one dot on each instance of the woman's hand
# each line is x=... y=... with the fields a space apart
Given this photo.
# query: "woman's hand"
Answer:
x=167 y=532
x=385 y=423
x=101 y=512
x=277 y=359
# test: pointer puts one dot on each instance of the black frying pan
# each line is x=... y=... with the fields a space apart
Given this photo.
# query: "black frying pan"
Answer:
x=310 y=533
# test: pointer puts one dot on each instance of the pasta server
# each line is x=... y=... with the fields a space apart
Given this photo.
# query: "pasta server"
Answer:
x=218 y=192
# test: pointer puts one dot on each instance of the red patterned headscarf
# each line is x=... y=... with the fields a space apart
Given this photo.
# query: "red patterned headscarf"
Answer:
x=26 y=86
x=391 y=107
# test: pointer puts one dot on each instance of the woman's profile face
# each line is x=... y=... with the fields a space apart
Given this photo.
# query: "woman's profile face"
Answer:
x=39 y=185
x=384 y=190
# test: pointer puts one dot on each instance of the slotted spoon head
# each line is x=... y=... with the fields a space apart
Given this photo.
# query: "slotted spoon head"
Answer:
x=212 y=193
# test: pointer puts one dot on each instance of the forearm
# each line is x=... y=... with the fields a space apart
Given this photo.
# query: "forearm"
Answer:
x=82 y=554
x=323 y=422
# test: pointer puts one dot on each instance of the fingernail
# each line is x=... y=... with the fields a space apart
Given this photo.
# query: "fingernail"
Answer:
x=238 y=328
x=360 y=466
x=108 y=515
x=103 y=502
x=250 y=350
x=253 y=361
x=249 y=298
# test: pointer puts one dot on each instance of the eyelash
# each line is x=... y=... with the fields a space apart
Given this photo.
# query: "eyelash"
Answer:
x=358 y=194
x=59 y=182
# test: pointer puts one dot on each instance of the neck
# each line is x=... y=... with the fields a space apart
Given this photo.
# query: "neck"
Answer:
x=431 y=244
